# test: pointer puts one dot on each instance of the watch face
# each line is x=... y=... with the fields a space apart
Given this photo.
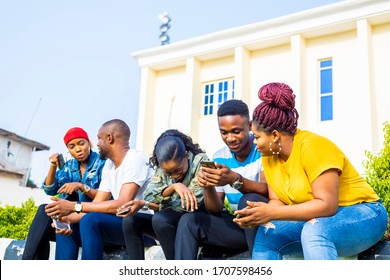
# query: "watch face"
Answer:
x=78 y=207
x=237 y=185
x=146 y=206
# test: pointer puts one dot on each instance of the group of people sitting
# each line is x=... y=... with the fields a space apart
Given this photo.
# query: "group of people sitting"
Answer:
x=272 y=189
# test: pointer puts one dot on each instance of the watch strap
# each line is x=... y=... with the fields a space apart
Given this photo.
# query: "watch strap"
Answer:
x=86 y=189
x=146 y=206
x=238 y=183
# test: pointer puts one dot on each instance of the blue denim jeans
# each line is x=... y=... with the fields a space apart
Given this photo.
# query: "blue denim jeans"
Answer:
x=350 y=231
x=94 y=231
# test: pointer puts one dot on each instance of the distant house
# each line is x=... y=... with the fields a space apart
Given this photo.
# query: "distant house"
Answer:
x=15 y=158
x=335 y=57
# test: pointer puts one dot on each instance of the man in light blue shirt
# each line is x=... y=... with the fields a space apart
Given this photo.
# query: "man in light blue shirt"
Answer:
x=236 y=179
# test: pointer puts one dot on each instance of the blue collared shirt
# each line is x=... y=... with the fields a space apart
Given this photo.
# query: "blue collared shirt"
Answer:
x=71 y=173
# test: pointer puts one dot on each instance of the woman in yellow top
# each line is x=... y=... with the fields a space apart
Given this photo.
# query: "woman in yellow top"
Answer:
x=318 y=200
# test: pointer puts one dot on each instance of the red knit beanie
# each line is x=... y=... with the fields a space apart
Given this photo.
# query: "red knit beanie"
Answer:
x=75 y=132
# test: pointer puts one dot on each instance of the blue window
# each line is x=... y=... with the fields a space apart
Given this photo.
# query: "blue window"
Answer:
x=208 y=99
x=326 y=90
x=224 y=91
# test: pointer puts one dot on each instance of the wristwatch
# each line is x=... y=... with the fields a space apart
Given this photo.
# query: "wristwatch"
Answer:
x=146 y=206
x=86 y=188
x=78 y=207
x=238 y=184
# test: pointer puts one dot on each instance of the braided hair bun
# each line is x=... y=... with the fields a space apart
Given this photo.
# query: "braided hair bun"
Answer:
x=278 y=95
x=277 y=109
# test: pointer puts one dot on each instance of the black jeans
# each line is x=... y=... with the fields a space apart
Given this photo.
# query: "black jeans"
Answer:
x=37 y=245
x=250 y=233
x=135 y=228
x=203 y=229
x=40 y=234
x=161 y=226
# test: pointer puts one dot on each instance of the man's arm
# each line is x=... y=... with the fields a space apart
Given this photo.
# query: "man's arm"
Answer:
x=101 y=203
x=250 y=186
x=225 y=176
x=213 y=200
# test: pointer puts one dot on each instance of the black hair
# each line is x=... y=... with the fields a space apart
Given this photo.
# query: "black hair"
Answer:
x=119 y=127
x=172 y=145
x=233 y=107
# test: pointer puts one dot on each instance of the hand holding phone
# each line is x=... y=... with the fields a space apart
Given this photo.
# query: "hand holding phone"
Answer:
x=61 y=161
x=241 y=216
x=123 y=211
x=208 y=164
x=60 y=225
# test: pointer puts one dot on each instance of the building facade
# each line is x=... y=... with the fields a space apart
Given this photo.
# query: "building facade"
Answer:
x=334 y=57
x=15 y=158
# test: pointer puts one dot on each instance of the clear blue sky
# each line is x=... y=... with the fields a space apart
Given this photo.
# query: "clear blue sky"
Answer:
x=67 y=63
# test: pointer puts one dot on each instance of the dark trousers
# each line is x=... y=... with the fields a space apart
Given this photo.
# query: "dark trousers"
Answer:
x=93 y=233
x=40 y=234
x=134 y=227
x=201 y=228
x=250 y=233
x=161 y=226
x=165 y=225
x=37 y=246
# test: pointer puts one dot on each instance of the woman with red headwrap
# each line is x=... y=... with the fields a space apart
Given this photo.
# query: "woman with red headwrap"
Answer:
x=319 y=204
x=77 y=180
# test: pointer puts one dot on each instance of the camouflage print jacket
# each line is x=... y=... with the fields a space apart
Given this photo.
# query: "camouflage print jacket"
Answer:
x=160 y=182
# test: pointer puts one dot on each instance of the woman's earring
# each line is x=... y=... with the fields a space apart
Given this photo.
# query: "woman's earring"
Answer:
x=275 y=153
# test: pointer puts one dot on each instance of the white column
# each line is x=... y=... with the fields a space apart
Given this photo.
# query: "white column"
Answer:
x=194 y=101
x=242 y=75
x=146 y=104
x=369 y=123
x=298 y=57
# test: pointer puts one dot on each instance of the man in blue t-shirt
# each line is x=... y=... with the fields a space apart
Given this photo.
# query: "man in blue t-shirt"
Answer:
x=238 y=178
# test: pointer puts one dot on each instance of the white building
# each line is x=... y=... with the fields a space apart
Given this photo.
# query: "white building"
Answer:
x=15 y=163
x=335 y=58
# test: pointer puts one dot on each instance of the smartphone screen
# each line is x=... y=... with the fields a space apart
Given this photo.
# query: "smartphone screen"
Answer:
x=61 y=161
x=123 y=211
x=60 y=225
x=209 y=164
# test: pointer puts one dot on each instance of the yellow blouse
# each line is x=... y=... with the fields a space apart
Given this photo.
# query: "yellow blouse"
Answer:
x=311 y=155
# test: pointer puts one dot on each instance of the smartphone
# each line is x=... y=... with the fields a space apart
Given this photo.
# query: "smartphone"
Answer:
x=60 y=225
x=238 y=215
x=123 y=211
x=61 y=161
x=208 y=164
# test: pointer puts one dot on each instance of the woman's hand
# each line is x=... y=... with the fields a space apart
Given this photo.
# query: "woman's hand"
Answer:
x=70 y=188
x=188 y=198
x=257 y=213
x=54 y=159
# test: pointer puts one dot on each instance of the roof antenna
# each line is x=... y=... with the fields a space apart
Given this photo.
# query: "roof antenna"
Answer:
x=32 y=118
x=165 y=19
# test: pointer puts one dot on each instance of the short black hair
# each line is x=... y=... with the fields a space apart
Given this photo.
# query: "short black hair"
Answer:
x=233 y=107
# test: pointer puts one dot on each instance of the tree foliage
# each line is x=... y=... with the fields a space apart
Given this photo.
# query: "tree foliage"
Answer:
x=15 y=221
x=377 y=171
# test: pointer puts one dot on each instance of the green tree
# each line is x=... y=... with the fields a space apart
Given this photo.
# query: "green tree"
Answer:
x=15 y=221
x=377 y=171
